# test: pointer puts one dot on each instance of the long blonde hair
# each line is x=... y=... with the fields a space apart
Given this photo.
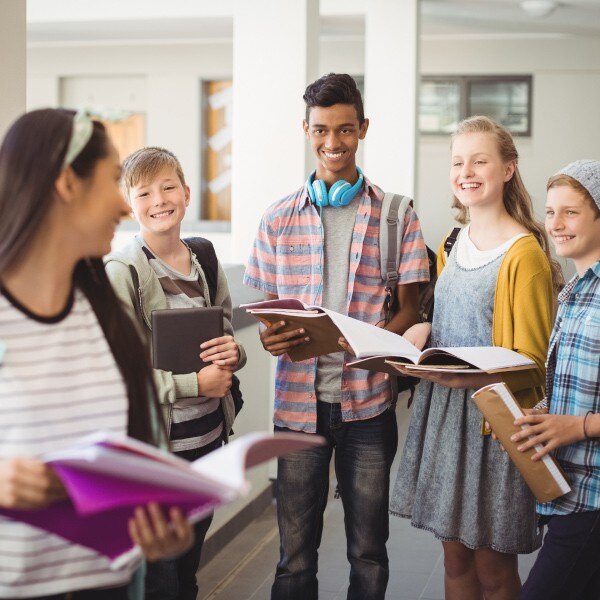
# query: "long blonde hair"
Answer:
x=517 y=200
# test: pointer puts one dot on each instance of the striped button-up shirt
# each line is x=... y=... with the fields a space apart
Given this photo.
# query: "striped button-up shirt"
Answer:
x=573 y=388
x=286 y=260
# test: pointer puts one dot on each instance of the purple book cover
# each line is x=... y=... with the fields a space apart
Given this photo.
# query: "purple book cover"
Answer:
x=98 y=509
x=107 y=477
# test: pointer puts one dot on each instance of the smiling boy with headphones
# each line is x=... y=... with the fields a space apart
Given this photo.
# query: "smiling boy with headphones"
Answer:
x=321 y=245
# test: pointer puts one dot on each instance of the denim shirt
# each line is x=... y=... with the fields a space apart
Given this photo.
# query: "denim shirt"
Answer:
x=573 y=388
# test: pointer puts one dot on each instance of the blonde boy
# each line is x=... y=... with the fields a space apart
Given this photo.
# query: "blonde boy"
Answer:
x=159 y=270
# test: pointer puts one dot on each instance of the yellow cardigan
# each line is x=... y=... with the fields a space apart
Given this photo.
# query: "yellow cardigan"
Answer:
x=523 y=313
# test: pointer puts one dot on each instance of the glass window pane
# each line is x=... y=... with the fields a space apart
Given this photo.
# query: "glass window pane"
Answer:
x=439 y=110
x=507 y=102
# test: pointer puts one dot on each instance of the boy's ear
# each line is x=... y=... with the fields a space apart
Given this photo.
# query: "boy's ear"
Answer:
x=187 y=195
x=362 y=132
x=305 y=128
x=66 y=185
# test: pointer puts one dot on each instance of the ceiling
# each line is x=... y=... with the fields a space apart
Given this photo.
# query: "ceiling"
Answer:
x=55 y=22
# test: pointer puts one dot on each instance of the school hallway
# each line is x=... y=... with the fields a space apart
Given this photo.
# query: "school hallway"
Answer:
x=245 y=568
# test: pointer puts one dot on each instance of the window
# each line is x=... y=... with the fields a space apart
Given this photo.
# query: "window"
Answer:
x=445 y=101
x=216 y=154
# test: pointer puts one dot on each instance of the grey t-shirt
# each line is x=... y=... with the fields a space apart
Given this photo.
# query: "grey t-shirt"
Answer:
x=338 y=226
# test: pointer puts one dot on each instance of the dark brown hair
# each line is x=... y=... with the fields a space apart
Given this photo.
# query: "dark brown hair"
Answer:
x=334 y=88
x=517 y=200
x=31 y=159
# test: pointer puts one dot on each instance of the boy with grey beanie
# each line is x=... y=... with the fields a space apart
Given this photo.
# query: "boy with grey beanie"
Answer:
x=568 y=565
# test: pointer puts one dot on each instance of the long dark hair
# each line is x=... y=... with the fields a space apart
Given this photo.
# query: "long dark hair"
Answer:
x=31 y=159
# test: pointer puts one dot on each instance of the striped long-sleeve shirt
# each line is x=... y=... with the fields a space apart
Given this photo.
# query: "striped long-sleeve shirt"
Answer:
x=286 y=261
x=573 y=388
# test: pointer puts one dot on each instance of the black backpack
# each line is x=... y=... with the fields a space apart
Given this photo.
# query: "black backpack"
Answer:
x=205 y=253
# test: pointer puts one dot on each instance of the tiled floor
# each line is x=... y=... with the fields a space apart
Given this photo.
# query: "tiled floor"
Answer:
x=244 y=569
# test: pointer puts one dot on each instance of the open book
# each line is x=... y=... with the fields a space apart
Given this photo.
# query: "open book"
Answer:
x=374 y=345
x=107 y=476
x=471 y=359
x=500 y=409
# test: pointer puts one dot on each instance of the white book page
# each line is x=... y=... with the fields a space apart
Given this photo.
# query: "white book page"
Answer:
x=517 y=412
x=229 y=463
x=131 y=467
x=283 y=303
x=283 y=312
x=486 y=358
x=369 y=340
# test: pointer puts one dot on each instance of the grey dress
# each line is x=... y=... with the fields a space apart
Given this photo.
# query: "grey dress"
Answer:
x=452 y=480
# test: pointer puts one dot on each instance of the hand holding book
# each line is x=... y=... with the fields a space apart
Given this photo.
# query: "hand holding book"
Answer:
x=548 y=430
x=277 y=339
x=221 y=351
x=108 y=476
x=502 y=412
x=451 y=379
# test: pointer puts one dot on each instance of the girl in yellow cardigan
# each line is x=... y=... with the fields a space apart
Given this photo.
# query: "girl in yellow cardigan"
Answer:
x=495 y=288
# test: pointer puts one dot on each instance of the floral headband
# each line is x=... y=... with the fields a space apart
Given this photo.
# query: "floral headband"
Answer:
x=80 y=136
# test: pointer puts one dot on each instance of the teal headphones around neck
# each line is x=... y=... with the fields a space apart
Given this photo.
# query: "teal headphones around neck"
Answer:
x=340 y=193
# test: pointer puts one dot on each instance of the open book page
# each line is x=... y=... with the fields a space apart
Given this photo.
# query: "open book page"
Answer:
x=437 y=368
x=500 y=409
x=484 y=359
x=134 y=469
x=368 y=340
x=229 y=463
x=107 y=478
x=490 y=359
x=279 y=304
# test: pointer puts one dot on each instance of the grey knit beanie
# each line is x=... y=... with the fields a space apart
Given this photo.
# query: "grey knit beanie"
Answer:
x=587 y=173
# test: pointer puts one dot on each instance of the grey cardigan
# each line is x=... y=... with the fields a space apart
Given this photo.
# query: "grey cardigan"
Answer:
x=150 y=296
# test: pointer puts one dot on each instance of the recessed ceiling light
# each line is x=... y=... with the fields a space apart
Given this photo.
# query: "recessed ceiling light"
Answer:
x=538 y=8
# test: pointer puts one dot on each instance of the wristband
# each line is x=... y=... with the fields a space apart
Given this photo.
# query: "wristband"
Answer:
x=587 y=414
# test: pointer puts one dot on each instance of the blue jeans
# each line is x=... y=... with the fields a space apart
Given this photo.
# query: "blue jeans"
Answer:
x=176 y=579
x=364 y=451
x=568 y=565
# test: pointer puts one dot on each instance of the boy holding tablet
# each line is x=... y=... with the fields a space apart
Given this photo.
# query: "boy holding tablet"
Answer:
x=158 y=270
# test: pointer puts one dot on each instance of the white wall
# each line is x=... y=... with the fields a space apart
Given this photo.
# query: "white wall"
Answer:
x=12 y=65
x=566 y=119
x=171 y=94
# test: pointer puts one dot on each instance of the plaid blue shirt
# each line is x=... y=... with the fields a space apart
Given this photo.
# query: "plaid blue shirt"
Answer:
x=573 y=388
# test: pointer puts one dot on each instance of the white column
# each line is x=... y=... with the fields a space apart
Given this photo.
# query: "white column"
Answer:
x=391 y=84
x=12 y=65
x=275 y=56
x=177 y=96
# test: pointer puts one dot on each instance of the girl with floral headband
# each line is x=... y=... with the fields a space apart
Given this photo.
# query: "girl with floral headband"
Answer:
x=69 y=355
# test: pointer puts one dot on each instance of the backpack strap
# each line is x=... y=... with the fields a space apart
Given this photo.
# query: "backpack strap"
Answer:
x=393 y=209
x=451 y=240
x=207 y=257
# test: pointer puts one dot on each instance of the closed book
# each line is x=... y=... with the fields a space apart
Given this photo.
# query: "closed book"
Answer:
x=177 y=334
x=500 y=409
